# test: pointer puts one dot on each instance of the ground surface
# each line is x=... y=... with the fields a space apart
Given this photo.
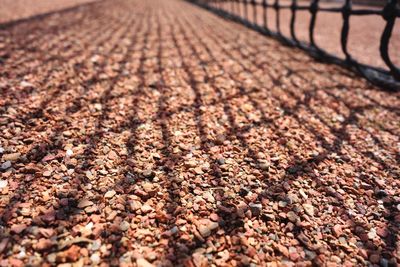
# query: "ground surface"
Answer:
x=136 y=133
x=19 y=9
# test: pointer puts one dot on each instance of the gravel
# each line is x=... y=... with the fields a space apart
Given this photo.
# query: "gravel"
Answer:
x=172 y=137
x=19 y=9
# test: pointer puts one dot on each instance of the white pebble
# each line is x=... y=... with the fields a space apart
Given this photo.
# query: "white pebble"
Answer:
x=25 y=84
x=95 y=258
x=3 y=184
x=69 y=153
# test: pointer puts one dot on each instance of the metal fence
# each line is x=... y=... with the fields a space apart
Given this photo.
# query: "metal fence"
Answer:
x=387 y=79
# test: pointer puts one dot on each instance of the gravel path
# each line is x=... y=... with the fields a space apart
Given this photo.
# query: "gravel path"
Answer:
x=155 y=133
x=19 y=9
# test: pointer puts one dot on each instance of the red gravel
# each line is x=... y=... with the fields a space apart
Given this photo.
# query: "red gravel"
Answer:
x=155 y=133
x=18 y=9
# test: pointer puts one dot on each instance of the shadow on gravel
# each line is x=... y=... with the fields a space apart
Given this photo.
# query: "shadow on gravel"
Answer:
x=43 y=151
x=297 y=168
x=296 y=98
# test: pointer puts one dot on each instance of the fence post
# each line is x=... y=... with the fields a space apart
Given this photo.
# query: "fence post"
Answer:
x=313 y=10
x=293 y=8
x=264 y=4
x=253 y=2
x=278 y=24
x=345 y=29
x=389 y=14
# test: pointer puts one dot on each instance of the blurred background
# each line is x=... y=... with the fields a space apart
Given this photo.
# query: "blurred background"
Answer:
x=364 y=36
x=17 y=9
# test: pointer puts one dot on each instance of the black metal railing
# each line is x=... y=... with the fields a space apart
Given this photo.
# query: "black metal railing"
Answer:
x=241 y=10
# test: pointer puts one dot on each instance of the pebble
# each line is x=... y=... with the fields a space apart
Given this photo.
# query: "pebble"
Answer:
x=244 y=191
x=374 y=258
x=47 y=173
x=282 y=204
x=110 y=194
x=241 y=208
x=174 y=230
x=146 y=208
x=221 y=161
x=148 y=187
x=292 y=216
x=91 y=209
x=49 y=216
x=310 y=254
x=303 y=194
x=220 y=139
x=255 y=208
x=382 y=232
x=84 y=203
x=95 y=258
x=264 y=166
x=282 y=249
x=363 y=253
x=98 y=107
x=209 y=197
x=89 y=175
x=112 y=216
x=96 y=245
x=384 y=262
x=304 y=239
x=135 y=205
x=70 y=255
x=95 y=58
x=199 y=260
x=214 y=217
x=67 y=133
x=112 y=155
x=3 y=184
x=25 y=84
x=206 y=229
x=11 y=157
x=141 y=262
x=372 y=234
x=124 y=226
x=46 y=232
x=190 y=164
x=6 y=165
x=343 y=240
x=266 y=217
x=381 y=193
x=337 y=230
x=14 y=262
x=148 y=174
x=18 y=228
x=52 y=257
x=44 y=244
x=309 y=209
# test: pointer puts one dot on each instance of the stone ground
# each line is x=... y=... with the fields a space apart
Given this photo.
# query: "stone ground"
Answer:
x=141 y=133
x=12 y=10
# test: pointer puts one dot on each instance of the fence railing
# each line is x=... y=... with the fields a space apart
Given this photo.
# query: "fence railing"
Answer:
x=243 y=10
